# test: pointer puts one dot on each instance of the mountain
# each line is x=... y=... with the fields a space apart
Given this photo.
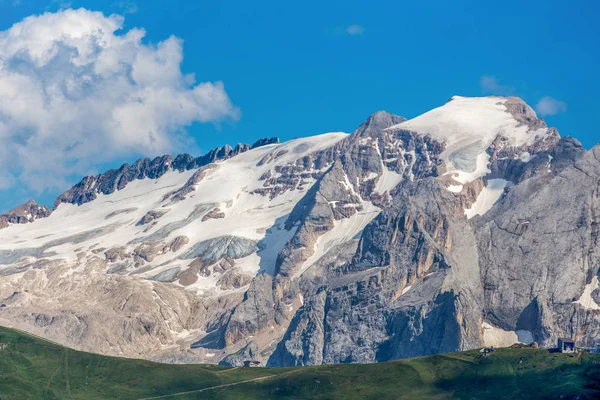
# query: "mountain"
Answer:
x=473 y=224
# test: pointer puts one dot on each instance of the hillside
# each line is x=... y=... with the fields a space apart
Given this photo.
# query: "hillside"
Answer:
x=32 y=368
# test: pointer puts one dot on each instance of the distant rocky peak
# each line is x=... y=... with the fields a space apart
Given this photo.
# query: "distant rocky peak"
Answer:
x=27 y=212
x=523 y=113
x=30 y=207
x=265 y=142
x=376 y=123
x=465 y=119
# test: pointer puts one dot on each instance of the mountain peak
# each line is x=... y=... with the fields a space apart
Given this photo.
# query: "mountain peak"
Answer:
x=377 y=122
x=26 y=212
x=473 y=119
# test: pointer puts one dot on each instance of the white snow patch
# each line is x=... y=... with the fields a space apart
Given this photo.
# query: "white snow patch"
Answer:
x=455 y=188
x=493 y=336
x=387 y=181
x=372 y=175
x=343 y=231
x=487 y=198
x=525 y=157
x=185 y=333
x=524 y=336
x=274 y=241
x=411 y=174
x=464 y=177
x=586 y=299
x=465 y=120
x=406 y=289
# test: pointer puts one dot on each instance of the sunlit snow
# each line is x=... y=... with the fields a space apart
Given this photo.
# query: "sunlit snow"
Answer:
x=493 y=336
x=586 y=299
x=487 y=198
x=72 y=228
x=468 y=126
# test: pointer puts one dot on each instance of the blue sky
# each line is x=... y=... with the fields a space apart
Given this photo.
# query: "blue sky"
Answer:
x=302 y=68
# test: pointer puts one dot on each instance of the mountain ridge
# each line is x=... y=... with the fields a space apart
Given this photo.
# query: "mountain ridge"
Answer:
x=336 y=248
x=115 y=179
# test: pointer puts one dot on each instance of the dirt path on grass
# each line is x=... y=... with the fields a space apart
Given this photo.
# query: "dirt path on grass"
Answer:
x=262 y=378
x=67 y=373
x=50 y=379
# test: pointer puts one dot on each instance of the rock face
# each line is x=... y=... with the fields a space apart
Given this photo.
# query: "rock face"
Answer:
x=471 y=224
x=237 y=359
x=23 y=214
x=212 y=250
x=521 y=232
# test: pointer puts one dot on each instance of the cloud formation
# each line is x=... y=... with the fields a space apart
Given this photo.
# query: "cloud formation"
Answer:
x=490 y=85
x=128 y=6
x=75 y=94
x=550 y=106
x=354 y=30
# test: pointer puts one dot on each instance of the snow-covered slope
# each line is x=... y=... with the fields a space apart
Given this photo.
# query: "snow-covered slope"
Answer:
x=463 y=121
x=468 y=126
x=487 y=198
x=73 y=232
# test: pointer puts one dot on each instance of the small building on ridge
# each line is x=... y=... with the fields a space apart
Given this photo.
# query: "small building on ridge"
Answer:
x=566 y=345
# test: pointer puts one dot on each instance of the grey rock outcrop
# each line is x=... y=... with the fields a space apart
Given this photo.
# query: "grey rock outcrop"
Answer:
x=304 y=340
x=152 y=216
x=248 y=353
x=255 y=313
x=264 y=142
x=527 y=258
x=25 y=213
x=228 y=246
x=365 y=310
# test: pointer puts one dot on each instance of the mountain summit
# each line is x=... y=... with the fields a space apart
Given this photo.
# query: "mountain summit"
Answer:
x=472 y=224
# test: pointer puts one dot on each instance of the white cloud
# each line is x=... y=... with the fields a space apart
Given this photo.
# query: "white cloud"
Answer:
x=490 y=85
x=128 y=6
x=550 y=106
x=74 y=95
x=355 y=30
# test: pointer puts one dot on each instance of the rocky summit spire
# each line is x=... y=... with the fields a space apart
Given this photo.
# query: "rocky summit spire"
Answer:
x=376 y=123
x=27 y=212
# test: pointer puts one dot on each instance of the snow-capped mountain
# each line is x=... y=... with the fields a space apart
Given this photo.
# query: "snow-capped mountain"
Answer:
x=473 y=223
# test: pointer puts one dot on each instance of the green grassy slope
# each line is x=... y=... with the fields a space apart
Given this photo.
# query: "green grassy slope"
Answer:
x=31 y=368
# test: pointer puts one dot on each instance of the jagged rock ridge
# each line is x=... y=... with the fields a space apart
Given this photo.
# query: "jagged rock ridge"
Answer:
x=112 y=180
